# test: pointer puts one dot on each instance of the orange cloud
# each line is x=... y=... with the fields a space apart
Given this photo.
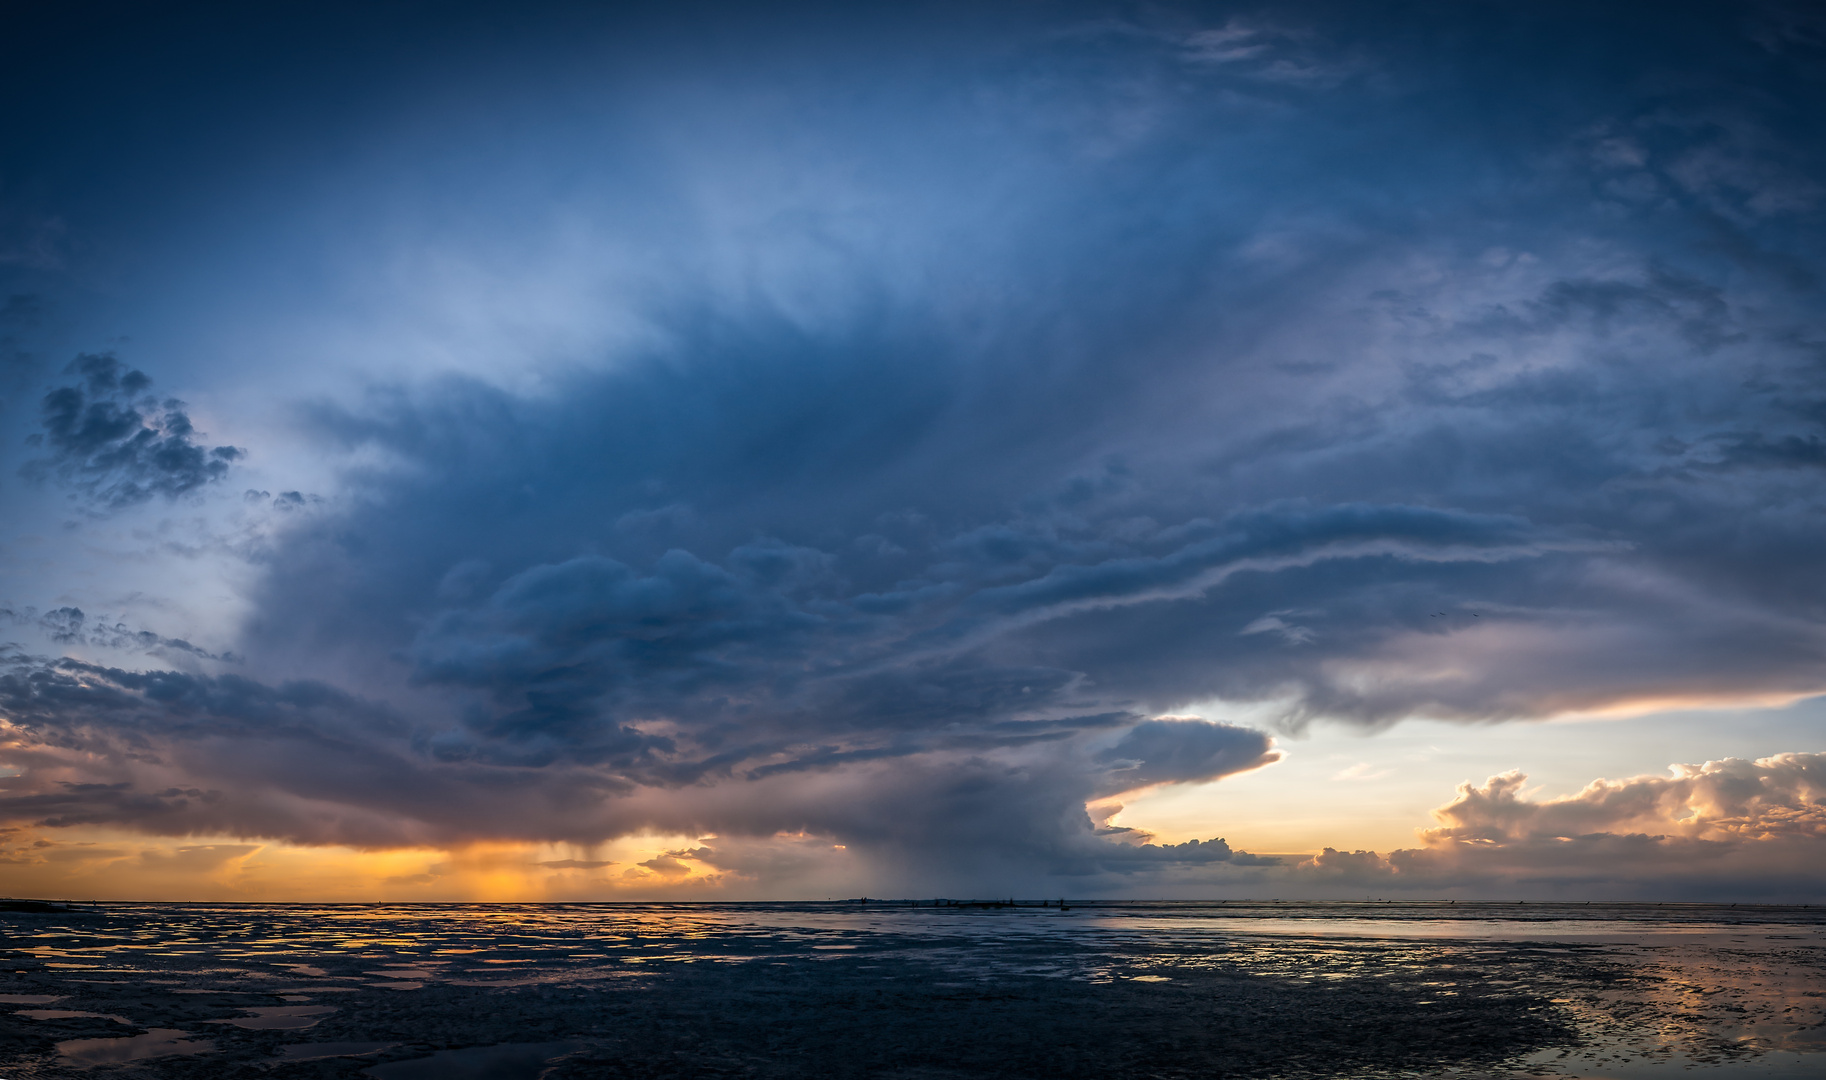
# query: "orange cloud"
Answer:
x=1730 y=828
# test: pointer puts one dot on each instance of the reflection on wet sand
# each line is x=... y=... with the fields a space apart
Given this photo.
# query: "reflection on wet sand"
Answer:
x=477 y=1062
x=315 y=1051
x=279 y=1018
x=1110 y=990
x=155 y=1043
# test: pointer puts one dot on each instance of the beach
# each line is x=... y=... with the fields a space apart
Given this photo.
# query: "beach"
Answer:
x=891 y=989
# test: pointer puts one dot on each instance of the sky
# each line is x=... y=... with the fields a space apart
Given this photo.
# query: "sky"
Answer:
x=716 y=451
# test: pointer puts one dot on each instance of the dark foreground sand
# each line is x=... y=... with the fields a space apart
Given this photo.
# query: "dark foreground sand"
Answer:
x=403 y=993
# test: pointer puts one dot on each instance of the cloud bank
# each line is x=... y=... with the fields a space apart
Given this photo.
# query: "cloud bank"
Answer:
x=1704 y=832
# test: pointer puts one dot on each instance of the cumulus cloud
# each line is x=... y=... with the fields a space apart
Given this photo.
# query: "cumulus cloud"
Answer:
x=1770 y=798
x=1730 y=828
x=115 y=444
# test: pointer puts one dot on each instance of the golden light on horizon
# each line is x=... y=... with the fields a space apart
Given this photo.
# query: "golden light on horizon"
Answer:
x=95 y=864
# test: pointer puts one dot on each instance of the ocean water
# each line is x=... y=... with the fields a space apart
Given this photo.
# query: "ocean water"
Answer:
x=914 y=989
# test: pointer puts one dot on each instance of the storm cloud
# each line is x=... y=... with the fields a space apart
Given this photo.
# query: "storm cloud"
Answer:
x=109 y=440
x=906 y=435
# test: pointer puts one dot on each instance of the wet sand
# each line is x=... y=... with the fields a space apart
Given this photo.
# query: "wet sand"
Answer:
x=401 y=992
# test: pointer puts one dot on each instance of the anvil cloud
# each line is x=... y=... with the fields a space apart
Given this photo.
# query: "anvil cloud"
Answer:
x=898 y=433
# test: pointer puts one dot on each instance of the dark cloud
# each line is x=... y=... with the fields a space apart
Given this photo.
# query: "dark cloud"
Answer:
x=1178 y=751
x=979 y=408
x=308 y=763
x=113 y=443
x=71 y=626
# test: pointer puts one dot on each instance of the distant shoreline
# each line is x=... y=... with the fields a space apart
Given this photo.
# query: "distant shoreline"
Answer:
x=44 y=907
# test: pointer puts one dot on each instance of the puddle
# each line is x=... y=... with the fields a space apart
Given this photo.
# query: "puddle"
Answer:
x=504 y=1061
x=159 y=1042
x=279 y=1017
x=70 y=1014
x=30 y=999
x=314 y=1051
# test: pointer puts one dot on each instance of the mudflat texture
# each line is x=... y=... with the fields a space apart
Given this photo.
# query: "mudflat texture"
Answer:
x=884 y=990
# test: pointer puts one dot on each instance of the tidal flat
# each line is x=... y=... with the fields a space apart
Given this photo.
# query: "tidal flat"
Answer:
x=892 y=990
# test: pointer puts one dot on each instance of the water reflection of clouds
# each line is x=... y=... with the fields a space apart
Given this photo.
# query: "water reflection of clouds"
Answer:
x=158 y=1042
